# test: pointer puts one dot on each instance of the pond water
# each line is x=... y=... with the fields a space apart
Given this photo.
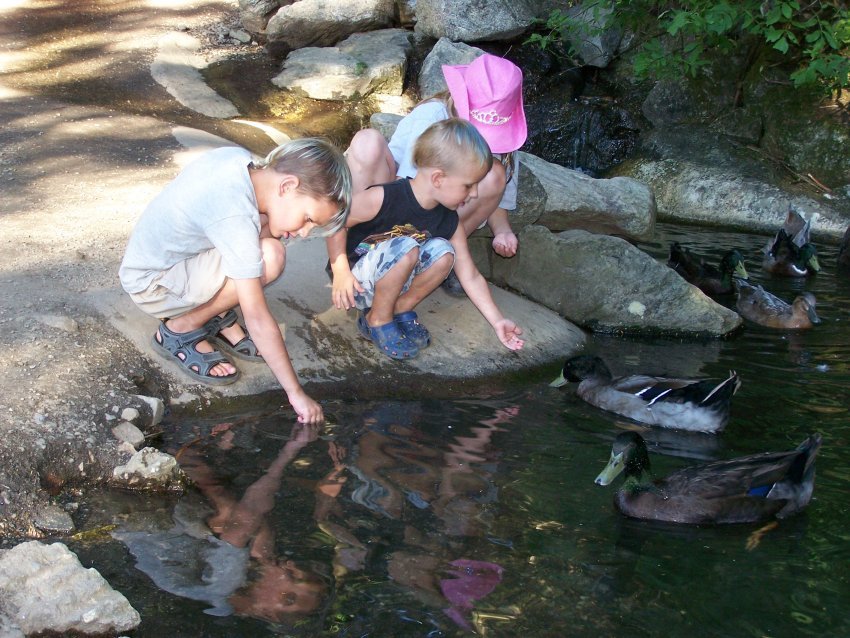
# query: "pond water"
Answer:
x=440 y=517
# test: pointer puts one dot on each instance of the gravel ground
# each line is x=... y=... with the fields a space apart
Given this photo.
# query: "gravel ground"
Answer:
x=85 y=142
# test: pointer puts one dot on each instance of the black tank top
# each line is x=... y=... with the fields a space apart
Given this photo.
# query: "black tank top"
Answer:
x=400 y=207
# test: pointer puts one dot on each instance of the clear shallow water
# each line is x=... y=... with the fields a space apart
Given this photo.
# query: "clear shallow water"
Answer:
x=428 y=518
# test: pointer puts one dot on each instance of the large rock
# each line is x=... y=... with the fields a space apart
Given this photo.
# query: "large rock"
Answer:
x=607 y=285
x=620 y=206
x=362 y=64
x=431 y=79
x=44 y=588
x=595 y=45
x=325 y=22
x=472 y=21
x=254 y=14
x=694 y=193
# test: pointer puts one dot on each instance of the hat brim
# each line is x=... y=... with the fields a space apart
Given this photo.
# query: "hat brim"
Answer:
x=505 y=138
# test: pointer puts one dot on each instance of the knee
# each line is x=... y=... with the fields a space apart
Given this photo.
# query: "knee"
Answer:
x=493 y=184
x=274 y=259
x=368 y=146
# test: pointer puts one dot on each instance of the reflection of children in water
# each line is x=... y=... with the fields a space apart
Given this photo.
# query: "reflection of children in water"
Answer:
x=231 y=564
x=401 y=474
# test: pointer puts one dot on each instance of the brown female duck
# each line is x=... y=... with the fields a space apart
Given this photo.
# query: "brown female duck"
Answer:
x=746 y=489
x=761 y=307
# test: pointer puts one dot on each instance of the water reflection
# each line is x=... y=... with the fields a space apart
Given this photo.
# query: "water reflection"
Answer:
x=222 y=552
x=437 y=518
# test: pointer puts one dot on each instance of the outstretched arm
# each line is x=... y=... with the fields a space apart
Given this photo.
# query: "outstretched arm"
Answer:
x=265 y=332
x=478 y=291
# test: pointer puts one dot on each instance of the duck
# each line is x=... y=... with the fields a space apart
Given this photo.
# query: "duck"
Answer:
x=790 y=252
x=695 y=405
x=766 y=309
x=710 y=279
x=747 y=489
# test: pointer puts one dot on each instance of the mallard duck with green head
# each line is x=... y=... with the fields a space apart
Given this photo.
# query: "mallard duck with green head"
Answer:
x=746 y=489
x=696 y=405
x=766 y=309
x=712 y=280
x=791 y=252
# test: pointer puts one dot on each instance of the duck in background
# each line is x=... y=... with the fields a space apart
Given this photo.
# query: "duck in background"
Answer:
x=696 y=405
x=710 y=279
x=766 y=309
x=791 y=252
x=746 y=489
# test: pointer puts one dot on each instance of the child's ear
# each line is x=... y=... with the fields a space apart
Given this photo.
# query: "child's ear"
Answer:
x=288 y=184
x=437 y=177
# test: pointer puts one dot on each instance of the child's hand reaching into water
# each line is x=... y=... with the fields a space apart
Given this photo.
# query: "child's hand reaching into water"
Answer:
x=508 y=333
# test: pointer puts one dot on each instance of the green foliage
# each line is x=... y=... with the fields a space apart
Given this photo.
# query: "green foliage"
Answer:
x=675 y=38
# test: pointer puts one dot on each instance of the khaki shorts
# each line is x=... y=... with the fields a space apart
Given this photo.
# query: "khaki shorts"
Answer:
x=184 y=287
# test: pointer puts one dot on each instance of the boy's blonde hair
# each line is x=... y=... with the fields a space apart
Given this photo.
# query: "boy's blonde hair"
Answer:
x=450 y=145
x=505 y=159
x=321 y=171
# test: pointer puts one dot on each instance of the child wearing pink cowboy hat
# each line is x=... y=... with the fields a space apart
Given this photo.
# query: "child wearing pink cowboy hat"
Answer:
x=487 y=93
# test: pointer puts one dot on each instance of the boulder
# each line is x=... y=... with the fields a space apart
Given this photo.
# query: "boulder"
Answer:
x=692 y=193
x=595 y=45
x=607 y=285
x=322 y=23
x=469 y=21
x=620 y=206
x=45 y=589
x=362 y=64
x=431 y=79
x=254 y=14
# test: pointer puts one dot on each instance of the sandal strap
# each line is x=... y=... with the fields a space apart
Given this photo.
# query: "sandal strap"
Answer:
x=217 y=324
x=185 y=343
x=176 y=340
x=246 y=346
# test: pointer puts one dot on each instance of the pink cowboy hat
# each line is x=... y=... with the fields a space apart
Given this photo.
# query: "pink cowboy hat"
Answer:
x=488 y=93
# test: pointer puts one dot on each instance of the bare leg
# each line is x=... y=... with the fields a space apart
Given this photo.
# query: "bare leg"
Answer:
x=274 y=259
x=424 y=284
x=369 y=159
x=388 y=288
x=490 y=190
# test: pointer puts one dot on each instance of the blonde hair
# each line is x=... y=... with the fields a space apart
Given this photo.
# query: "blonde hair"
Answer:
x=321 y=171
x=505 y=159
x=451 y=144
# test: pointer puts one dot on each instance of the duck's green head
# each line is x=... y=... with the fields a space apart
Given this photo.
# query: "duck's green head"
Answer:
x=733 y=264
x=628 y=455
x=581 y=367
x=808 y=258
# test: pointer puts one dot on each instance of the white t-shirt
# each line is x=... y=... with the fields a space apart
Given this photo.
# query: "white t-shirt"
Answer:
x=210 y=204
x=414 y=124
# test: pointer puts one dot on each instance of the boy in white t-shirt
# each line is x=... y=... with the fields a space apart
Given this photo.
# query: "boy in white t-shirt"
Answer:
x=211 y=241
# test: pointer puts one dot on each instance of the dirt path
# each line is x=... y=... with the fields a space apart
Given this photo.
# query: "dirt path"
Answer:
x=85 y=142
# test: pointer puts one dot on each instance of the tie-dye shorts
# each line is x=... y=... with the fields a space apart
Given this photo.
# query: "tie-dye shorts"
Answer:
x=378 y=262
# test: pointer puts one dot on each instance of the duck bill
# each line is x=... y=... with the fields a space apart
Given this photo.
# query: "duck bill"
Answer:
x=615 y=466
x=557 y=383
x=813 y=263
x=813 y=316
x=741 y=271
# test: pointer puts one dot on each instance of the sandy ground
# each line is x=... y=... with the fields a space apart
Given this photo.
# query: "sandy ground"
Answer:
x=87 y=138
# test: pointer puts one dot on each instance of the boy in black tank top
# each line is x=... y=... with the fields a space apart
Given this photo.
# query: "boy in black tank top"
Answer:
x=402 y=239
